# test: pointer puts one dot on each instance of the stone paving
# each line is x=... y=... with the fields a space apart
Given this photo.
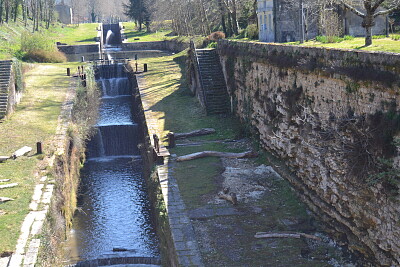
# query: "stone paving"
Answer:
x=28 y=244
x=182 y=232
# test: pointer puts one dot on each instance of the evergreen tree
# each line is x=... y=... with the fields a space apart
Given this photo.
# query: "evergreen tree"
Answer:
x=139 y=11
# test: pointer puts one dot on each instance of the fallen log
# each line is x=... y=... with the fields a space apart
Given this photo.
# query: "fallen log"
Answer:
x=200 y=132
x=286 y=235
x=21 y=152
x=4 y=180
x=8 y=185
x=3 y=158
x=203 y=154
x=5 y=199
x=231 y=197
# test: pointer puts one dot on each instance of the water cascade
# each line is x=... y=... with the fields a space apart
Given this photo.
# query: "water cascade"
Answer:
x=110 y=35
x=113 y=219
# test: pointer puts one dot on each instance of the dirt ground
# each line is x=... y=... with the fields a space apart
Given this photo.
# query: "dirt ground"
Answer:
x=266 y=203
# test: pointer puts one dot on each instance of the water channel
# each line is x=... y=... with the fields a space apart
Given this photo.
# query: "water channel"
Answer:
x=113 y=217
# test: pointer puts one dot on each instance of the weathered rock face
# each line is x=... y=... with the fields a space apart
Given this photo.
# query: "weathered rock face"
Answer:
x=332 y=116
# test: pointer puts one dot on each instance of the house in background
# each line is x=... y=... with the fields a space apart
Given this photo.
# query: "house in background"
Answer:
x=64 y=13
x=280 y=21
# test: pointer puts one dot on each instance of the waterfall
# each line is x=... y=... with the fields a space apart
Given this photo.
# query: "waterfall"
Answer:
x=109 y=35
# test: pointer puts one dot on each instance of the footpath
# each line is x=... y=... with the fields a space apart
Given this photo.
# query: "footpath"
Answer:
x=42 y=116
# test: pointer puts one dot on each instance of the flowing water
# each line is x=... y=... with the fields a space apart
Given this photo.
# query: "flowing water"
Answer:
x=114 y=210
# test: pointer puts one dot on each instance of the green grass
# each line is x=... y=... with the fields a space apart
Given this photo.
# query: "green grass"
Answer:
x=169 y=101
x=380 y=43
x=131 y=34
x=34 y=120
x=77 y=34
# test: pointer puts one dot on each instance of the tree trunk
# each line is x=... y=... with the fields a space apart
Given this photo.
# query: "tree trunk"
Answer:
x=368 y=36
x=221 y=9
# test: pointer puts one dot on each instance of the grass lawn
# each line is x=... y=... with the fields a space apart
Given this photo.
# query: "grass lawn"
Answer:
x=131 y=34
x=382 y=44
x=34 y=120
x=167 y=98
x=77 y=34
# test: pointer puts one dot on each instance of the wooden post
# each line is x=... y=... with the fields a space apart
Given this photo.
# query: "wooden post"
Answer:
x=79 y=70
x=136 y=66
x=171 y=140
x=39 y=148
x=145 y=67
x=68 y=72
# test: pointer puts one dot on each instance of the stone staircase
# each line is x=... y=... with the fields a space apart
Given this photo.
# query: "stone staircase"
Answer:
x=5 y=73
x=216 y=98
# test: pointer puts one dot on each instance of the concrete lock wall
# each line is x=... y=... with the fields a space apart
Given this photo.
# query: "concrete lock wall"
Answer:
x=79 y=49
x=332 y=116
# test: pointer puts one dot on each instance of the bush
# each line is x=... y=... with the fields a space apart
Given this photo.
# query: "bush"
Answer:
x=43 y=56
x=252 y=32
x=39 y=48
x=348 y=37
x=212 y=45
x=216 y=35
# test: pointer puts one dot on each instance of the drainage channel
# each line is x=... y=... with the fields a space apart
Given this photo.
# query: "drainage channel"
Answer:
x=112 y=225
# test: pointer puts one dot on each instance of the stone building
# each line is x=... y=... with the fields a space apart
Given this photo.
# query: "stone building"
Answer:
x=279 y=21
x=64 y=13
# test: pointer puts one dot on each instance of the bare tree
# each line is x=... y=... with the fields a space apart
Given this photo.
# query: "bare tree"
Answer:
x=370 y=12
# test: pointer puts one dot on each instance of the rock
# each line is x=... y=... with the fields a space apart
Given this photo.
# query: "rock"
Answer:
x=21 y=152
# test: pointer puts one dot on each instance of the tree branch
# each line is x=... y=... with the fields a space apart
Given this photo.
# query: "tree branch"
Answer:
x=352 y=9
x=384 y=12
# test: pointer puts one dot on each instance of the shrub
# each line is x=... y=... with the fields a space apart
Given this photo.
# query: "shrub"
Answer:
x=396 y=37
x=252 y=32
x=39 y=48
x=348 y=37
x=43 y=56
x=216 y=35
x=212 y=45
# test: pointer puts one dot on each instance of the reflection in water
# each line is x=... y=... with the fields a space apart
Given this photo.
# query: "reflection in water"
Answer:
x=113 y=207
x=114 y=211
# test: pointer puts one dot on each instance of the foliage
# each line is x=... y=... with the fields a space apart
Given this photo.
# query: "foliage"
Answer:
x=39 y=48
x=19 y=81
x=252 y=32
x=333 y=39
x=139 y=10
x=216 y=35
x=387 y=174
x=212 y=45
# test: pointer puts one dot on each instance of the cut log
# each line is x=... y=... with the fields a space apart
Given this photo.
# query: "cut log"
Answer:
x=203 y=154
x=22 y=152
x=200 y=132
x=4 y=180
x=3 y=158
x=8 y=185
x=286 y=235
x=5 y=199
x=231 y=197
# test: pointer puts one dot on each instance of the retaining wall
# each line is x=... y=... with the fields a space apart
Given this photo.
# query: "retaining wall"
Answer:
x=79 y=49
x=332 y=116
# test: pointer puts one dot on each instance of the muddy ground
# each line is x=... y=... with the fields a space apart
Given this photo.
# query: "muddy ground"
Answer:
x=266 y=203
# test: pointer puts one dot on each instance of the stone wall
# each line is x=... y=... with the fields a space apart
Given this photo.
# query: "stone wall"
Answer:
x=332 y=116
x=79 y=49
